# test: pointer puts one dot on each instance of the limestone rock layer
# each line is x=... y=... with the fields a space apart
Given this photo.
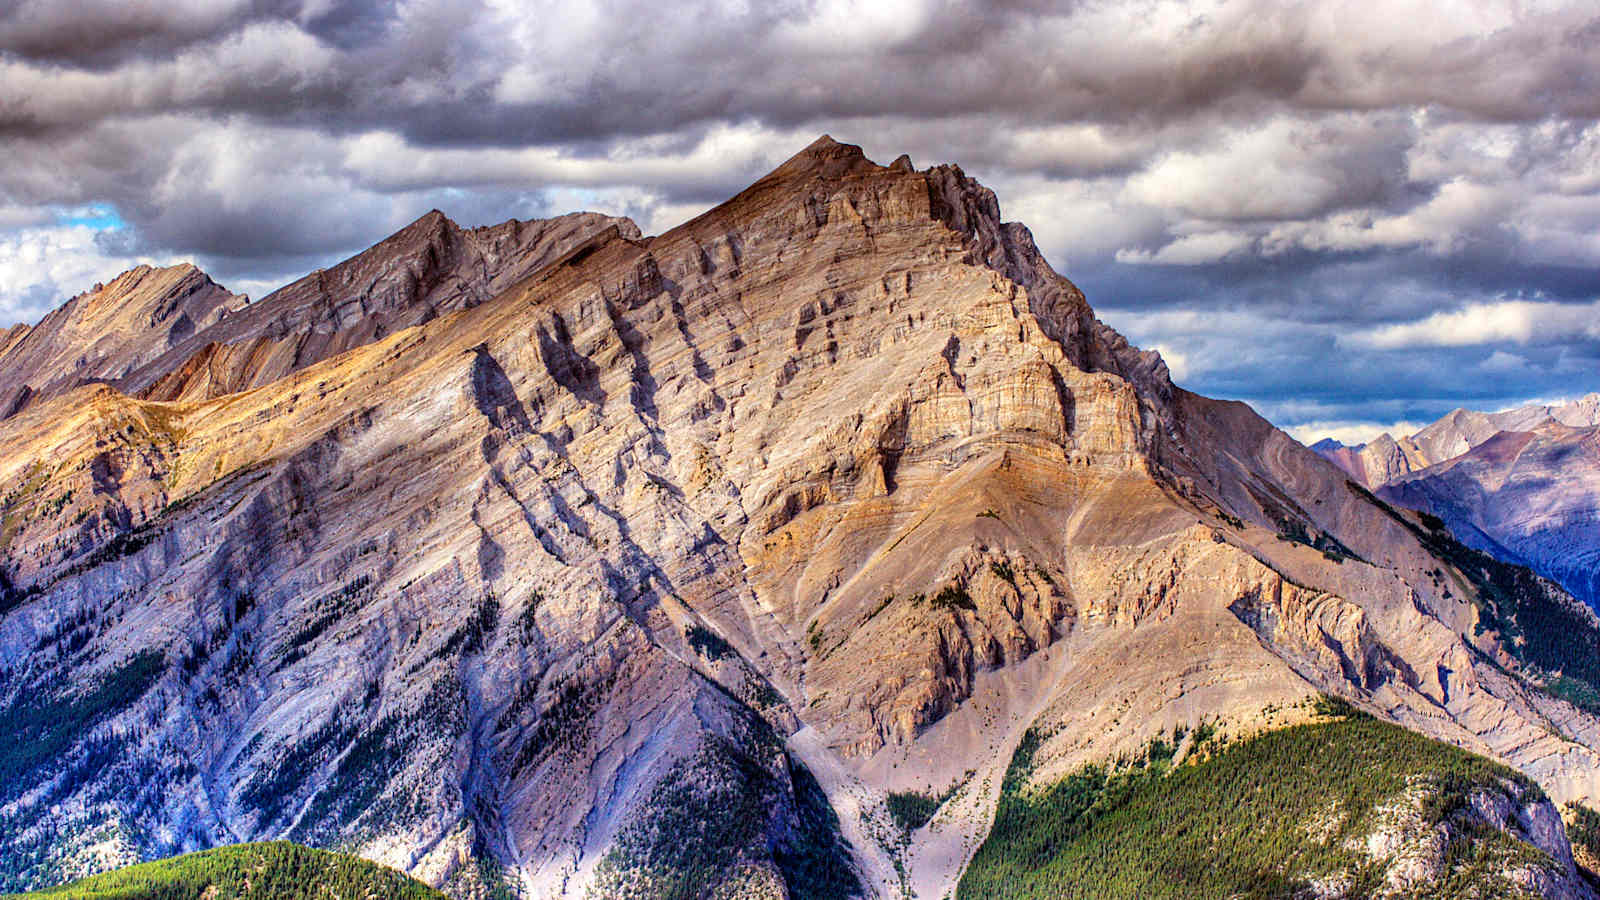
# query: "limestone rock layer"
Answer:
x=108 y=332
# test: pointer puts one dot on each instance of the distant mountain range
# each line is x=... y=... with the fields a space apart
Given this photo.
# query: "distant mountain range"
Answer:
x=826 y=545
x=1523 y=484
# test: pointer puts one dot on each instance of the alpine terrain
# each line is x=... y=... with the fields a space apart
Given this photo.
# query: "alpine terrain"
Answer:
x=826 y=545
x=1523 y=484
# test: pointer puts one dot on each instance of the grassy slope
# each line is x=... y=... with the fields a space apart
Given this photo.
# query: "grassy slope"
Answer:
x=267 y=871
x=1237 y=824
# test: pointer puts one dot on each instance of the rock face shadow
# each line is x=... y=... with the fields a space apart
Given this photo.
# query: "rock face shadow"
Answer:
x=494 y=395
x=570 y=369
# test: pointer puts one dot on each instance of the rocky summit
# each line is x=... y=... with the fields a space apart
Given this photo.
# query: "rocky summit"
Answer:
x=825 y=545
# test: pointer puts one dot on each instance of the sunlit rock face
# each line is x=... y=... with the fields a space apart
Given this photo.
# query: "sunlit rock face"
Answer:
x=557 y=554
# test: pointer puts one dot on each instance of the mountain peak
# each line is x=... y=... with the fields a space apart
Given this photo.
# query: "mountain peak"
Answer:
x=433 y=218
x=426 y=227
x=825 y=158
x=426 y=269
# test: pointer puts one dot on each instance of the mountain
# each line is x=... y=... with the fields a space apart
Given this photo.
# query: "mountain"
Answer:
x=1530 y=497
x=108 y=332
x=1523 y=484
x=775 y=555
x=1375 y=462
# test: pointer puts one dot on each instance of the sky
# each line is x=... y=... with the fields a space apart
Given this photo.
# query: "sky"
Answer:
x=1355 y=216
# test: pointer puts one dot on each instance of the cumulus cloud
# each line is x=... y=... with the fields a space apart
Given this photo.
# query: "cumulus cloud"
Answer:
x=1510 y=321
x=1191 y=250
x=1314 y=185
x=42 y=265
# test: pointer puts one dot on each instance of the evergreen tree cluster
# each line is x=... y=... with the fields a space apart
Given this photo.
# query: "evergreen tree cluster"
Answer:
x=1258 y=818
x=276 y=870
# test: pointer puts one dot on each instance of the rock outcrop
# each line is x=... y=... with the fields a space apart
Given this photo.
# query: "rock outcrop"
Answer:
x=428 y=268
x=1517 y=837
x=828 y=492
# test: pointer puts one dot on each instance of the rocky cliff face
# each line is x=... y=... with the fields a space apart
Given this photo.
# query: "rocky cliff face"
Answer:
x=829 y=492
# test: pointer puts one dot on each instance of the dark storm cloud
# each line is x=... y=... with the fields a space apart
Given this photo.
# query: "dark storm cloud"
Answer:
x=1294 y=171
x=440 y=72
x=102 y=33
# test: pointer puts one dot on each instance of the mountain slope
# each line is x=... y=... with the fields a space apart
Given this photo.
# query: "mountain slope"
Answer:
x=1522 y=484
x=1531 y=497
x=827 y=494
x=104 y=334
x=1339 y=807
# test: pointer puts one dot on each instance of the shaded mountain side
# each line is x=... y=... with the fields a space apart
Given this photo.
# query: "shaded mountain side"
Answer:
x=108 y=332
x=428 y=268
x=268 y=871
x=820 y=497
x=1529 y=497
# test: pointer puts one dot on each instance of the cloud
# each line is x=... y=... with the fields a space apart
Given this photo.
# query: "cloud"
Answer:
x=1179 y=366
x=104 y=32
x=1510 y=321
x=1286 y=168
x=1292 y=198
x=1351 y=434
x=1190 y=250
x=1501 y=362
x=41 y=266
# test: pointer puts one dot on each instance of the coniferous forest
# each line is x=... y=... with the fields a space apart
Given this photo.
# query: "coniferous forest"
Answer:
x=276 y=870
